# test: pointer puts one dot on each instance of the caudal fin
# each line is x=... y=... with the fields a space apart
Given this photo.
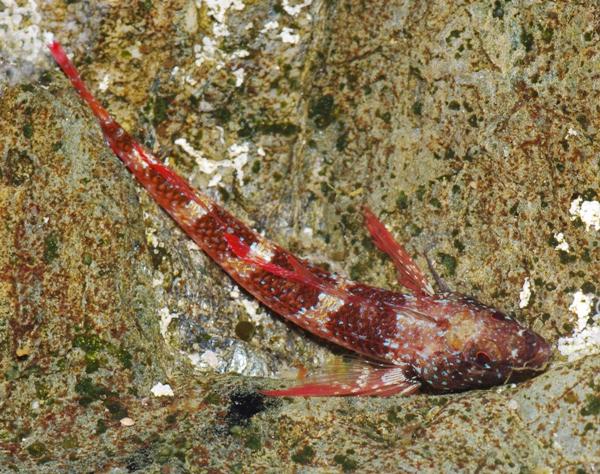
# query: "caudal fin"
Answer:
x=70 y=71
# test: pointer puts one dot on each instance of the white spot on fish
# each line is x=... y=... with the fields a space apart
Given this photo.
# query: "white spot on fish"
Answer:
x=261 y=251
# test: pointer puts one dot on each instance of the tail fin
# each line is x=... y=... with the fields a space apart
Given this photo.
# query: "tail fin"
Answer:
x=69 y=69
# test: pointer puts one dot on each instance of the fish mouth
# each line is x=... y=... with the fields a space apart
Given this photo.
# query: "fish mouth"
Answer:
x=536 y=364
x=542 y=352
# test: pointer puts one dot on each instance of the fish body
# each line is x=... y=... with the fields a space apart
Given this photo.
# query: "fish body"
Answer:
x=442 y=341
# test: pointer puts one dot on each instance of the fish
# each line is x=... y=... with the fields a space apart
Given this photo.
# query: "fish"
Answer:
x=403 y=343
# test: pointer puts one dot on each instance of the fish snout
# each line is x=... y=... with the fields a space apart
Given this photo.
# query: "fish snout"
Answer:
x=539 y=351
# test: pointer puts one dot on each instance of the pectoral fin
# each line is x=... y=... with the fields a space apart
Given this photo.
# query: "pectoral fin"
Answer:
x=351 y=378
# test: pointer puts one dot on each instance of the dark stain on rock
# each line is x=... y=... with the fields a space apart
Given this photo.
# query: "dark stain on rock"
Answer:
x=17 y=168
x=243 y=406
x=304 y=455
x=321 y=110
x=244 y=330
x=89 y=391
x=50 y=248
x=592 y=407
x=116 y=408
x=139 y=460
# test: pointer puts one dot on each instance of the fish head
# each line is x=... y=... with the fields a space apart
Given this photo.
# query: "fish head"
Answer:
x=483 y=347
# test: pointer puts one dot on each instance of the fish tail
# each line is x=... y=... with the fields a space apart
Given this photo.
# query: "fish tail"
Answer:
x=307 y=295
x=202 y=219
x=71 y=72
x=169 y=189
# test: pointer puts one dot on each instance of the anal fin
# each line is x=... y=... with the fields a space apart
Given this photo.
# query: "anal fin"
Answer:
x=351 y=378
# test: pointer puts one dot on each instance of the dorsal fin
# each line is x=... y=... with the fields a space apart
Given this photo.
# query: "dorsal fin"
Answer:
x=409 y=274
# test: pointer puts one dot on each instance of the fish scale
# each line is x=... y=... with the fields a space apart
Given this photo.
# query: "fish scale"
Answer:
x=445 y=341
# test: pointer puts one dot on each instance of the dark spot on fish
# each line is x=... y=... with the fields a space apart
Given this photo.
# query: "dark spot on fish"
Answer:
x=243 y=406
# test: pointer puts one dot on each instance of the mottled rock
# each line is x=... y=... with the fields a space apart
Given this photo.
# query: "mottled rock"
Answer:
x=468 y=127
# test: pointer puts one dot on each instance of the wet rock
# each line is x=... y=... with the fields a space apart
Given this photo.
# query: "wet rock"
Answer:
x=468 y=127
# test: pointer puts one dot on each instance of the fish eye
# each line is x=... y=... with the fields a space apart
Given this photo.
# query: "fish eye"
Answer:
x=482 y=359
x=498 y=315
x=483 y=354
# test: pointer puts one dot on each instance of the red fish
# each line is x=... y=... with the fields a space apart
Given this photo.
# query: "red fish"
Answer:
x=439 y=341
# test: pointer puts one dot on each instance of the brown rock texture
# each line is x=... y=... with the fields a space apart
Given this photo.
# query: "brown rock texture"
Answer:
x=467 y=126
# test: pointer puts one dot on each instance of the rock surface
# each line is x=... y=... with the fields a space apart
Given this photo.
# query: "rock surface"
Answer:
x=468 y=127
